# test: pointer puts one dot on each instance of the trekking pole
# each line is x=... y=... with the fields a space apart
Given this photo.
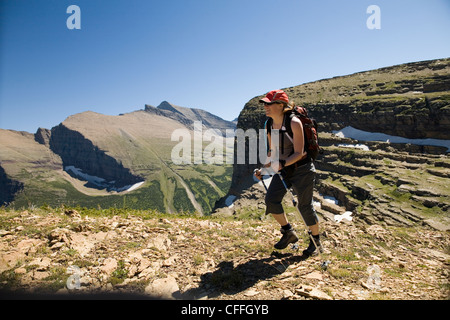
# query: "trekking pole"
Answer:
x=266 y=173
x=323 y=264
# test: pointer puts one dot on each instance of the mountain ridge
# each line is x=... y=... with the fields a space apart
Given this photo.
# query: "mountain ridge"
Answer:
x=121 y=151
x=411 y=100
x=188 y=116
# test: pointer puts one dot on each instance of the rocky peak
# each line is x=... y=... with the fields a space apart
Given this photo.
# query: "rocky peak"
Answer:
x=42 y=136
x=187 y=116
x=167 y=106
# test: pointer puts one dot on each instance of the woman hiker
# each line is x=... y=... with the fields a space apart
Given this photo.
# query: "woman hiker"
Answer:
x=297 y=168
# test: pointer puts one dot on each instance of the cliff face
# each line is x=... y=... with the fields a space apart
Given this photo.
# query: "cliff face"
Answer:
x=8 y=188
x=410 y=117
x=79 y=152
x=410 y=100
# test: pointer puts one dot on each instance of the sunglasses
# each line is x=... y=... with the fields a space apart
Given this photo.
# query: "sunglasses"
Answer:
x=271 y=103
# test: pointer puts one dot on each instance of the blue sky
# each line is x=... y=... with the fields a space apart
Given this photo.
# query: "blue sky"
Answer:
x=209 y=54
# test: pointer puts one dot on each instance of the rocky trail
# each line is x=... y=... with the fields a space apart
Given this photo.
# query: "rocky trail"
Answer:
x=69 y=252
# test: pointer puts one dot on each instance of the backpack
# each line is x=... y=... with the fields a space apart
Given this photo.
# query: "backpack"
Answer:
x=312 y=147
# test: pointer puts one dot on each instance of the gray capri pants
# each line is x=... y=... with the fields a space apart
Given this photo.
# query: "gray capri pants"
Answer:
x=302 y=181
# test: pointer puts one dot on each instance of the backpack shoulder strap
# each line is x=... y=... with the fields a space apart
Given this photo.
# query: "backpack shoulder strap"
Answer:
x=267 y=129
x=287 y=125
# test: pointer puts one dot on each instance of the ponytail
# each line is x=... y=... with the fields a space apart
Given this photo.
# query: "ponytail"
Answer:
x=288 y=106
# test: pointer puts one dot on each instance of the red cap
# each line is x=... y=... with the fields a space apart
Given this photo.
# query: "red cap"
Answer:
x=275 y=95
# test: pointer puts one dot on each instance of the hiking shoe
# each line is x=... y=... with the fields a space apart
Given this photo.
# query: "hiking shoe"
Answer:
x=312 y=248
x=289 y=236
